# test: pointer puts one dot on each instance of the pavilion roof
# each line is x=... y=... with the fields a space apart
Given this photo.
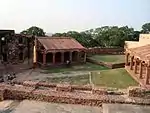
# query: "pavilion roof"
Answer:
x=60 y=43
x=142 y=52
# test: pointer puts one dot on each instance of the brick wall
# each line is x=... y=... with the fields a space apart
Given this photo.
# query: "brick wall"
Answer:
x=93 y=96
x=106 y=51
x=139 y=92
x=109 y=65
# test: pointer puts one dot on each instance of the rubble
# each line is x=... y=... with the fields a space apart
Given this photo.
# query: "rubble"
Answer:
x=65 y=95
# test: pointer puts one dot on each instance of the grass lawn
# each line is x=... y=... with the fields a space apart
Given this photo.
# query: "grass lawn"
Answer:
x=78 y=80
x=109 y=58
x=83 y=67
x=117 y=78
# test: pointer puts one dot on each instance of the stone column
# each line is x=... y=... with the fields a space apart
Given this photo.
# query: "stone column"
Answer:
x=131 y=63
x=127 y=59
x=62 y=57
x=141 y=69
x=54 y=58
x=135 y=67
x=44 y=58
x=70 y=56
x=84 y=57
x=147 y=75
x=78 y=57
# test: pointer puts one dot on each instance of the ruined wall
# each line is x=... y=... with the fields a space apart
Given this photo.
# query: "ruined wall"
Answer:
x=139 y=92
x=144 y=39
x=63 y=93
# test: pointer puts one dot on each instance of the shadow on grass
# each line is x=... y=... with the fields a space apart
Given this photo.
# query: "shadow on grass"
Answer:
x=83 y=67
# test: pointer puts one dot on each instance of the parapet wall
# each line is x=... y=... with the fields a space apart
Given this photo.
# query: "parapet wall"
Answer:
x=139 y=92
x=114 y=51
x=63 y=93
x=109 y=65
x=144 y=39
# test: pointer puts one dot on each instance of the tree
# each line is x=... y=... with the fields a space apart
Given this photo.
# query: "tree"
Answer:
x=146 y=28
x=105 y=36
x=36 y=31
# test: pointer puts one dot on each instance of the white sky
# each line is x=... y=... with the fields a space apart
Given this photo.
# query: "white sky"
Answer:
x=64 y=15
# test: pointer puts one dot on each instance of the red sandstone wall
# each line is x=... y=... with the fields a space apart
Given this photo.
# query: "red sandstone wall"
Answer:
x=106 y=51
x=138 y=92
x=109 y=65
x=63 y=94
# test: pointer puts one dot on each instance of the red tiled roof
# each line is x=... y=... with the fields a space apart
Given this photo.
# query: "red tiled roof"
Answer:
x=59 y=43
x=143 y=52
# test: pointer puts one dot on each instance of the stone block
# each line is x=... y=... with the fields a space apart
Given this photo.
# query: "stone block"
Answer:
x=99 y=90
x=63 y=87
x=30 y=83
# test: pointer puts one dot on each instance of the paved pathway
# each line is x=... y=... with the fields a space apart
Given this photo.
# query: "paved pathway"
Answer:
x=27 y=106
x=125 y=108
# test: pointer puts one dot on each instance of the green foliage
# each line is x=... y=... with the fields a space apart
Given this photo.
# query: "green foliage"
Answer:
x=35 y=31
x=105 y=36
x=146 y=28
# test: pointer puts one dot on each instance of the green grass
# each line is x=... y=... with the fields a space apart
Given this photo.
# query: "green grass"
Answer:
x=109 y=58
x=116 y=78
x=83 y=67
x=78 y=80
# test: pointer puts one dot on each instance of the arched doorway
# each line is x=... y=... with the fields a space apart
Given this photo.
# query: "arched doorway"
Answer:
x=39 y=57
x=49 y=57
x=75 y=56
x=58 y=57
x=21 y=56
x=66 y=56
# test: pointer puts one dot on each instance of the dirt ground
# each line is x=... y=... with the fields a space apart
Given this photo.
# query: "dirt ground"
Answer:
x=37 y=75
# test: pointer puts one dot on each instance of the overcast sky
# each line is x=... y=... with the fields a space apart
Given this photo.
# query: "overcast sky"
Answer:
x=63 y=15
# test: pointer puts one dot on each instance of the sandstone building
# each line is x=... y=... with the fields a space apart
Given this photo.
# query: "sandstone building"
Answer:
x=138 y=59
x=50 y=51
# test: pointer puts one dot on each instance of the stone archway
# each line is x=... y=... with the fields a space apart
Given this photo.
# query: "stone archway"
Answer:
x=66 y=56
x=58 y=57
x=39 y=57
x=75 y=56
x=49 y=57
x=21 y=56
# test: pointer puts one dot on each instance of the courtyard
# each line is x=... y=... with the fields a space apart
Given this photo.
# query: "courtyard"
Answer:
x=81 y=75
x=83 y=67
x=116 y=78
x=109 y=58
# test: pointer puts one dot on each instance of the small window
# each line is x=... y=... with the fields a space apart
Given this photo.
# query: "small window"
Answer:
x=20 y=40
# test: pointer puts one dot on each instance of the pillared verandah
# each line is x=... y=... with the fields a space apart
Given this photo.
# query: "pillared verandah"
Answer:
x=138 y=64
x=58 y=50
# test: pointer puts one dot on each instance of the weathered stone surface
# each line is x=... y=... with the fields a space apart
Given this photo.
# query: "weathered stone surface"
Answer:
x=99 y=90
x=125 y=108
x=67 y=95
x=30 y=83
x=138 y=92
x=63 y=87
